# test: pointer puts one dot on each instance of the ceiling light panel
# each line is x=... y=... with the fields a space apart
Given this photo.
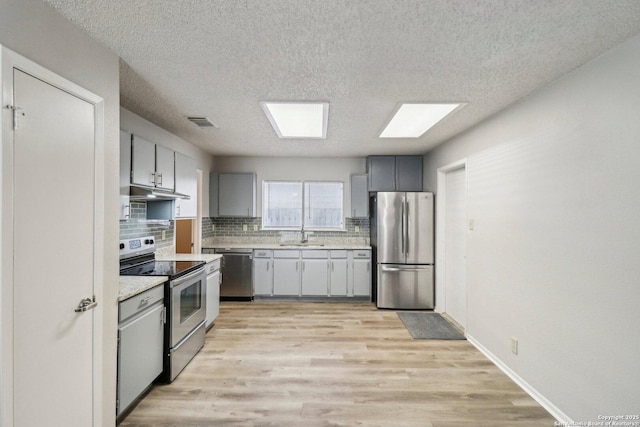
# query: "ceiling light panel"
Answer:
x=412 y=120
x=298 y=119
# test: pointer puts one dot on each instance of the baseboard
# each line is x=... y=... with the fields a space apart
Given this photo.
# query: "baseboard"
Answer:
x=543 y=401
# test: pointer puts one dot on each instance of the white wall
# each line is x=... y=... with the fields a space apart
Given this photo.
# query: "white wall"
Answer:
x=554 y=259
x=135 y=124
x=37 y=32
x=301 y=169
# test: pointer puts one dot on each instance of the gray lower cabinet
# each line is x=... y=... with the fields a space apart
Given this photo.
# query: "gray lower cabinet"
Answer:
x=315 y=275
x=361 y=284
x=140 y=344
x=263 y=272
x=338 y=273
x=286 y=273
x=312 y=273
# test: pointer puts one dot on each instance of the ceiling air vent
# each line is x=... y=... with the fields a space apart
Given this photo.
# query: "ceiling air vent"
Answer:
x=202 y=122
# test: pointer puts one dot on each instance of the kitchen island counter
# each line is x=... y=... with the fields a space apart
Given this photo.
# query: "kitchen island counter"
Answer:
x=131 y=286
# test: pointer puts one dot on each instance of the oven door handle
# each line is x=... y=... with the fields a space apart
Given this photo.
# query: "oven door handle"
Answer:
x=183 y=279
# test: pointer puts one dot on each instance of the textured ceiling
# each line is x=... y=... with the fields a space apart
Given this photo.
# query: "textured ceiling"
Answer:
x=221 y=58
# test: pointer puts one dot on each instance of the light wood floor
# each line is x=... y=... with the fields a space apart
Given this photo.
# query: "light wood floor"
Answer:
x=333 y=364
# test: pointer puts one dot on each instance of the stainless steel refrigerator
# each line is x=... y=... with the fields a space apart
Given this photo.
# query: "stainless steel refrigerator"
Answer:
x=402 y=238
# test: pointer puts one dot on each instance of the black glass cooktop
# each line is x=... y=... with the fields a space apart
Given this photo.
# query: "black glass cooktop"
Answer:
x=173 y=269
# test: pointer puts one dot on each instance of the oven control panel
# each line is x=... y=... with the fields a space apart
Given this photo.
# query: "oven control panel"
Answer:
x=137 y=246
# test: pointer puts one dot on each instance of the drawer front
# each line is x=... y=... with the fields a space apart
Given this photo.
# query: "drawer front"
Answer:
x=336 y=254
x=213 y=266
x=362 y=254
x=139 y=302
x=262 y=253
x=286 y=254
x=318 y=254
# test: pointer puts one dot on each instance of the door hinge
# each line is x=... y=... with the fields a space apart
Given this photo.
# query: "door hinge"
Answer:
x=17 y=112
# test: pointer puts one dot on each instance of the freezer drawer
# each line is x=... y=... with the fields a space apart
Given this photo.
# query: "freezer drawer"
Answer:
x=405 y=286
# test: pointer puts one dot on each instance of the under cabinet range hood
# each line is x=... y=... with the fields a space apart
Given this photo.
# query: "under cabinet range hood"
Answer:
x=139 y=193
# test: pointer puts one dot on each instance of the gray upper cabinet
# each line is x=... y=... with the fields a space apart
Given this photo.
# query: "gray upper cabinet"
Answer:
x=237 y=195
x=151 y=165
x=143 y=167
x=359 y=196
x=125 y=175
x=165 y=168
x=408 y=173
x=213 y=195
x=186 y=183
x=394 y=173
x=381 y=171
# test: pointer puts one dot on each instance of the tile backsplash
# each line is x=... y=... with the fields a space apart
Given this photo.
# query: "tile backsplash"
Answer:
x=231 y=228
x=139 y=226
x=226 y=228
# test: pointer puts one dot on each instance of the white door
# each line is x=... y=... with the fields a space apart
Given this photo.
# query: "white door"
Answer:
x=456 y=245
x=53 y=255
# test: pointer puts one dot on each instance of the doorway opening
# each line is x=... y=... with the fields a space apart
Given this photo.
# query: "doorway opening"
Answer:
x=451 y=242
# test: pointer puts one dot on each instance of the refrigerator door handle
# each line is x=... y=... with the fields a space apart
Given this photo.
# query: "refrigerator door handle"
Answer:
x=403 y=269
x=406 y=229
x=403 y=231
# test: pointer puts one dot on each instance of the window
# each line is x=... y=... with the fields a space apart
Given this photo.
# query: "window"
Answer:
x=296 y=205
x=282 y=205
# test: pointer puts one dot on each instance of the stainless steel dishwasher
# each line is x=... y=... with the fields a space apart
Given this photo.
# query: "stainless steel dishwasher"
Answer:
x=237 y=274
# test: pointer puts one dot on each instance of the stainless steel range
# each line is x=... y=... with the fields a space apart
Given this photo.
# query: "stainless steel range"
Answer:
x=185 y=299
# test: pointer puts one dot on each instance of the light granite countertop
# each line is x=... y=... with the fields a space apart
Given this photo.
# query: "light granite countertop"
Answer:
x=248 y=245
x=288 y=242
x=133 y=285
x=189 y=257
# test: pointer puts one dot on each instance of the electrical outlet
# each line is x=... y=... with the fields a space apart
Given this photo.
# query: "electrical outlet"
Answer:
x=244 y=227
x=357 y=228
x=164 y=235
x=255 y=227
x=514 y=345
x=213 y=227
x=472 y=224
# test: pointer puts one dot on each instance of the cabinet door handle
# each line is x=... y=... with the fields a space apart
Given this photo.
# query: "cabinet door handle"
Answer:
x=152 y=178
x=297 y=262
x=267 y=265
x=303 y=263
x=333 y=266
x=160 y=176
